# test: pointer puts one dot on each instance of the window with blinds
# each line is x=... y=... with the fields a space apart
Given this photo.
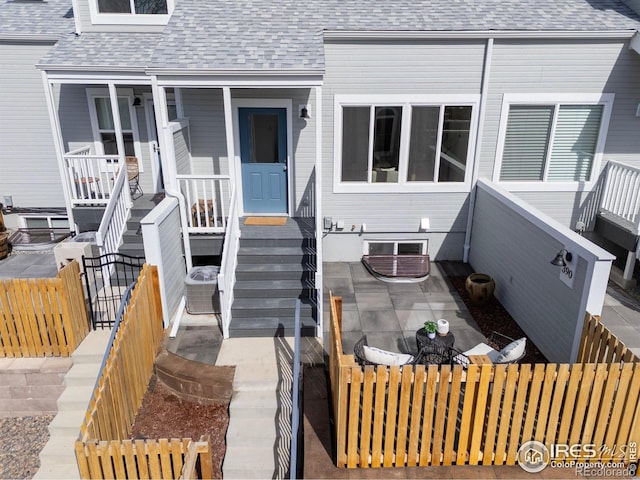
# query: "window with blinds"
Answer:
x=550 y=142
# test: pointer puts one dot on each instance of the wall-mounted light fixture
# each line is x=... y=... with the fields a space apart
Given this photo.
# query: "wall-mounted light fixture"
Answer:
x=137 y=102
x=304 y=112
x=8 y=201
x=561 y=259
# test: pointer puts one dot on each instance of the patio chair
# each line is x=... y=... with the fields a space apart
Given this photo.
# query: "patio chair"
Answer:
x=366 y=355
x=511 y=351
x=133 y=175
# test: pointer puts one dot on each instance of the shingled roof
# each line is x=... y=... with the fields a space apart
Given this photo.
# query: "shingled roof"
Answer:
x=287 y=35
x=50 y=18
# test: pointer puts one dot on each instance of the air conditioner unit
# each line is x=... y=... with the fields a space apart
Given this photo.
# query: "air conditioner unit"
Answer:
x=201 y=290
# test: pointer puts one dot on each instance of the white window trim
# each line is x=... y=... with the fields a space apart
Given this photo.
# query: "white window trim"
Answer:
x=366 y=244
x=98 y=18
x=405 y=101
x=92 y=94
x=508 y=99
x=22 y=219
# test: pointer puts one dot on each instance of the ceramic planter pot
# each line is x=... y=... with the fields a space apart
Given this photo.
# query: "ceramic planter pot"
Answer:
x=443 y=327
x=480 y=287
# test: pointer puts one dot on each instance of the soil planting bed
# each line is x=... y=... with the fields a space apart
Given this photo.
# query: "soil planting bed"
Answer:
x=164 y=415
x=493 y=317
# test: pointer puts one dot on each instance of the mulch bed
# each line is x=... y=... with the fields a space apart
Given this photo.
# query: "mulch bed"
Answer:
x=493 y=317
x=164 y=415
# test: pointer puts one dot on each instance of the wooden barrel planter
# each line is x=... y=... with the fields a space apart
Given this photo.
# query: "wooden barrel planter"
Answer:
x=480 y=287
x=4 y=245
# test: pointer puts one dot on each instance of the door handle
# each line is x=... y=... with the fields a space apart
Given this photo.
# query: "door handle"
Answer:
x=284 y=168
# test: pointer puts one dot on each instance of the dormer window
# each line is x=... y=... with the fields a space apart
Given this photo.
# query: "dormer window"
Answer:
x=130 y=12
x=134 y=7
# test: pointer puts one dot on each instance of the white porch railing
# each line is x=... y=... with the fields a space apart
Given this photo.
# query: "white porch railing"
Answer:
x=91 y=178
x=114 y=219
x=206 y=201
x=621 y=194
x=227 y=275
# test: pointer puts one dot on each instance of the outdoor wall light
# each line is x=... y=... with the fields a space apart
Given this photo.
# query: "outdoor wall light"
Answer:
x=562 y=258
x=304 y=112
x=137 y=102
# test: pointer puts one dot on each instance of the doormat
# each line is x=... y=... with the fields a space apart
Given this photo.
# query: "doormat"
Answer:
x=272 y=221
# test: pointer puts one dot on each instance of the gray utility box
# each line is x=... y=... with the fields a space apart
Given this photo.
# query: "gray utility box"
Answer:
x=201 y=290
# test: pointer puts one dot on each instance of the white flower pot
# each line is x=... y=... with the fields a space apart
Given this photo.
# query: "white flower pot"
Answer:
x=431 y=335
x=443 y=327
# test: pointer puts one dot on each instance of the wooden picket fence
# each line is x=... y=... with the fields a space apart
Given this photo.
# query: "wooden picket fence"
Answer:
x=598 y=344
x=104 y=449
x=439 y=415
x=43 y=317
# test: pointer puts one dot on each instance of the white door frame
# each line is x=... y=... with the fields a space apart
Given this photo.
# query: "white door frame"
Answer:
x=287 y=104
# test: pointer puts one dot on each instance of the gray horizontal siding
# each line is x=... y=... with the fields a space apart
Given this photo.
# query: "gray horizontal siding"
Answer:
x=205 y=111
x=181 y=147
x=173 y=266
x=73 y=111
x=28 y=159
x=566 y=67
x=517 y=253
x=431 y=67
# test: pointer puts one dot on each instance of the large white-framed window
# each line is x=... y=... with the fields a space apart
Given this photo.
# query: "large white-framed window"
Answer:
x=551 y=141
x=133 y=12
x=103 y=126
x=404 y=143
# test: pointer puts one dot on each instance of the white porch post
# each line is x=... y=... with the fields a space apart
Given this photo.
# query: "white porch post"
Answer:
x=58 y=142
x=117 y=124
x=228 y=127
x=168 y=160
x=318 y=212
x=179 y=104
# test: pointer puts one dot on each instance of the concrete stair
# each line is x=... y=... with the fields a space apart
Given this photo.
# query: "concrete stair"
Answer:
x=57 y=458
x=259 y=432
x=256 y=422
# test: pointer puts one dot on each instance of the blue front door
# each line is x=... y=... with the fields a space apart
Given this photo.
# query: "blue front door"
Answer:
x=263 y=155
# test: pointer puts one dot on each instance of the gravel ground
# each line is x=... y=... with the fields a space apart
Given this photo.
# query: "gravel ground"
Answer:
x=21 y=439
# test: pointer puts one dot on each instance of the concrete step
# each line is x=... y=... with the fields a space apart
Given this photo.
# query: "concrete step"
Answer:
x=82 y=374
x=92 y=348
x=67 y=423
x=249 y=462
x=59 y=451
x=263 y=431
x=75 y=398
x=256 y=377
x=58 y=472
x=248 y=404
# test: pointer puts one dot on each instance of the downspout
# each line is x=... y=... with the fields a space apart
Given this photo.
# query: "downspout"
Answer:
x=169 y=171
x=58 y=142
x=476 y=164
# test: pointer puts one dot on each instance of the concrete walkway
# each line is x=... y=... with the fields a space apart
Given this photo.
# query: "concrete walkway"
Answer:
x=57 y=458
x=259 y=433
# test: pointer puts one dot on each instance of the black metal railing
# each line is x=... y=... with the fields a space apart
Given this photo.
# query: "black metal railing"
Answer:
x=106 y=278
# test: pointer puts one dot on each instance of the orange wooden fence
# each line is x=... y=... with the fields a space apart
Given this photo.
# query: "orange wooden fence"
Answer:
x=43 y=317
x=439 y=415
x=599 y=345
x=104 y=450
